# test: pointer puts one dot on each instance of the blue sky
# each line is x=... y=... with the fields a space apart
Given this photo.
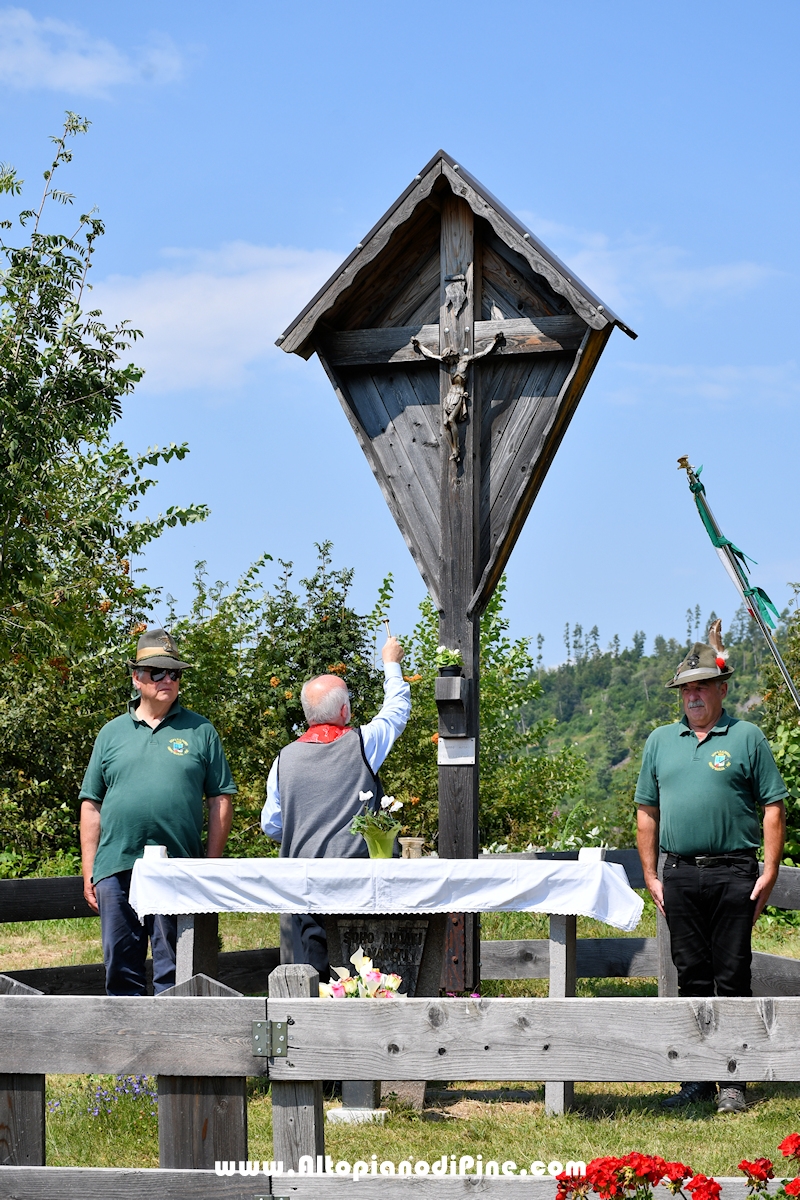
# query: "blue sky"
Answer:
x=237 y=153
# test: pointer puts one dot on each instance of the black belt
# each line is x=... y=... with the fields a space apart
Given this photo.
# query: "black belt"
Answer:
x=711 y=860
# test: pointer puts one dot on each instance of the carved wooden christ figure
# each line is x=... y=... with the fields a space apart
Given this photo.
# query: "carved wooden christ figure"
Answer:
x=454 y=405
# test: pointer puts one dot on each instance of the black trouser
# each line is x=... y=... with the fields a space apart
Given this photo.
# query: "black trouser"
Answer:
x=710 y=919
x=310 y=944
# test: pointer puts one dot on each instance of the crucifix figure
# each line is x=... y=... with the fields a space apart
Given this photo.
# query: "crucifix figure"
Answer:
x=454 y=405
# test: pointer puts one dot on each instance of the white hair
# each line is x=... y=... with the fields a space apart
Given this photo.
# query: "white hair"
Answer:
x=328 y=710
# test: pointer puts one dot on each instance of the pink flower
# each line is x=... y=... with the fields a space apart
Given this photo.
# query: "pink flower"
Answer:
x=338 y=991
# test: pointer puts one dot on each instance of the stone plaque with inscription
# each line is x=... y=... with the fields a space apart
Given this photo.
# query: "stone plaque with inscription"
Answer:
x=411 y=947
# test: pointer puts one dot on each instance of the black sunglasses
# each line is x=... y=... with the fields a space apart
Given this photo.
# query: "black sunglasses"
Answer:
x=159 y=673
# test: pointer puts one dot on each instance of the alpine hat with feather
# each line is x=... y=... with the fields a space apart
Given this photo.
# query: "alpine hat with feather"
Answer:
x=157 y=648
x=705 y=660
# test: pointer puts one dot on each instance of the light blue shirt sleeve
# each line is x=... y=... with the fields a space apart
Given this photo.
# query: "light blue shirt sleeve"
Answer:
x=379 y=736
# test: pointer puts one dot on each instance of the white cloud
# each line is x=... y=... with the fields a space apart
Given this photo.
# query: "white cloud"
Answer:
x=624 y=271
x=212 y=315
x=48 y=53
x=717 y=387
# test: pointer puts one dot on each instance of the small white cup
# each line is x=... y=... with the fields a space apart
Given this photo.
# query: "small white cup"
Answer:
x=151 y=852
x=592 y=854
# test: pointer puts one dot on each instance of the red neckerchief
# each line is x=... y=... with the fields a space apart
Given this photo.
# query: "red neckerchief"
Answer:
x=324 y=733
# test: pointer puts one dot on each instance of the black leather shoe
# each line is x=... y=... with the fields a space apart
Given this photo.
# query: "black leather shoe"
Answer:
x=731 y=1099
x=691 y=1093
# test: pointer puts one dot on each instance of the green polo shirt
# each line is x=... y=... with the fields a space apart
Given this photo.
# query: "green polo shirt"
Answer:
x=151 y=784
x=709 y=793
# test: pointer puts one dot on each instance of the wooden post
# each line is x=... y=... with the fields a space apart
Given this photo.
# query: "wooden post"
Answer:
x=667 y=975
x=558 y=1097
x=197 y=948
x=287 y=946
x=460 y=481
x=201 y=1119
x=298 y=1125
x=22 y=1140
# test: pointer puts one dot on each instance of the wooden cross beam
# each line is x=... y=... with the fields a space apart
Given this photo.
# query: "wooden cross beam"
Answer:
x=374 y=347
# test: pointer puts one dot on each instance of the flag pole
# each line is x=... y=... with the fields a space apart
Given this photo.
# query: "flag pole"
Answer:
x=734 y=560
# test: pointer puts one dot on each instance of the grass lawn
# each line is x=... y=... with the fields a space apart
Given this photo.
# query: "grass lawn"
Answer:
x=93 y=1121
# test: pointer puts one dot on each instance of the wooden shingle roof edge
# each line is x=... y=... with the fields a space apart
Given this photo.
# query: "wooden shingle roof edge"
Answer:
x=297 y=338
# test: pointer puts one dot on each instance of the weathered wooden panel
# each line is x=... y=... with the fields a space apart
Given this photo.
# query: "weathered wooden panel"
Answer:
x=515 y=289
x=22 y=1121
x=118 y=1183
x=430 y=1187
x=197 y=947
x=597 y=958
x=559 y=1094
x=247 y=971
x=627 y=1040
x=418 y=299
x=43 y=899
x=128 y=1035
x=22 y=1112
x=786 y=893
x=428 y=568
x=534 y=459
x=385 y=296
x=516 y=404
x=298 y=1120
x=201 y=1120
x=395 y=412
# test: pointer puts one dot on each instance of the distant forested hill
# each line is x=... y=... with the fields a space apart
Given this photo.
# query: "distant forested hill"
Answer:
x=606 y=702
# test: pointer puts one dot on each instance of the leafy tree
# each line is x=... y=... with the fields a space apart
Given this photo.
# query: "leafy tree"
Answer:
x=781 y=721
x=69 y=525
x=523 y=784
x=67 y=496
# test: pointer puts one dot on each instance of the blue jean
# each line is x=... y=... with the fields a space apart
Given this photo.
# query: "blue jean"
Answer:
x=125 y=941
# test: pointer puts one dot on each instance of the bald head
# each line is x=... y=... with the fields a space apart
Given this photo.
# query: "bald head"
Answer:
x=325 y=701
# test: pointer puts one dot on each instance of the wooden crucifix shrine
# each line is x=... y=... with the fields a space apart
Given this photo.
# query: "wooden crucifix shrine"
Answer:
x=459 y=347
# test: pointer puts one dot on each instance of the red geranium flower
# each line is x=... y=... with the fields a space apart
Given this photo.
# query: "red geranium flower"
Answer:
x=758 y=1171
x=704 y=1188
x=675 y=1171
x=790 y=1146
x=793 y=1188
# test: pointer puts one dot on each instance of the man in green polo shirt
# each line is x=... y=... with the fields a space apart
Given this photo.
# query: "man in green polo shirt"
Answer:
x=144 y=786
x=702 y=785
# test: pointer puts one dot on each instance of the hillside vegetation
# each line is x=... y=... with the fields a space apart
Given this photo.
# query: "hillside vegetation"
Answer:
x=606 y=702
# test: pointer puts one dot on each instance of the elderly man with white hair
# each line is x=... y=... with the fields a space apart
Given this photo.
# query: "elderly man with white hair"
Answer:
x=314 y=784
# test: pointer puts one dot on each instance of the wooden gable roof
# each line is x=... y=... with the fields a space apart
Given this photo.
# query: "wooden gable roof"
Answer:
x=411 y=221
x=381 y=319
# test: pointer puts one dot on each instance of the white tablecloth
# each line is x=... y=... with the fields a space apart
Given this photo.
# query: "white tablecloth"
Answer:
x=367 y=886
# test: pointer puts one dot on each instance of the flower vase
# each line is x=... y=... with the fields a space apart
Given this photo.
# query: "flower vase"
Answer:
x=380 y=842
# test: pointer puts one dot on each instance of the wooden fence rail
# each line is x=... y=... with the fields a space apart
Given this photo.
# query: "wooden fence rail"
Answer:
x=108 y=1183
x=180 y=1035
x=635 y=1039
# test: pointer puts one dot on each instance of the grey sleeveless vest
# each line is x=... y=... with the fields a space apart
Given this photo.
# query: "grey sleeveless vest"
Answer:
x=319 y=784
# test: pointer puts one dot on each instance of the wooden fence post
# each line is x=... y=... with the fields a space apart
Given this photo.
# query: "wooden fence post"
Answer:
x=22 y=1142
x=298 y=1125
x=558 y=1097
x=201 y=1119
x=667 y=975
x=197 y=949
